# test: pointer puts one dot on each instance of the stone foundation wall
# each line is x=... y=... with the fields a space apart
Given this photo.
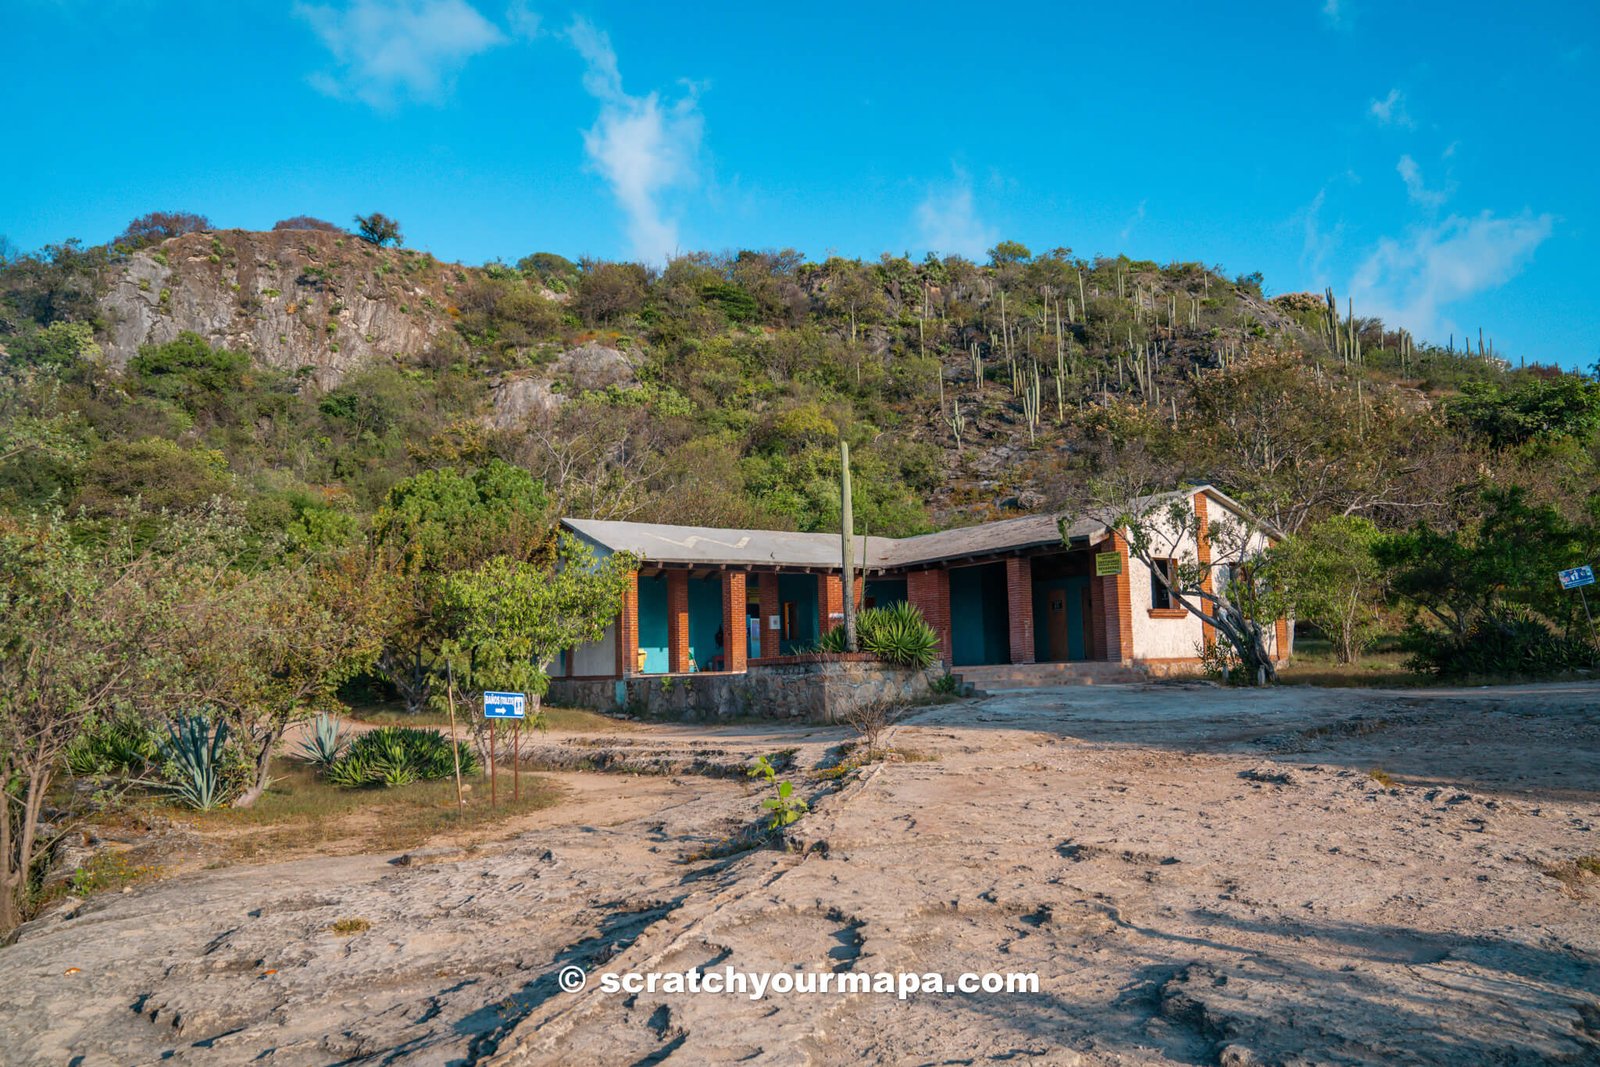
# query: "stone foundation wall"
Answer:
x=823 y=690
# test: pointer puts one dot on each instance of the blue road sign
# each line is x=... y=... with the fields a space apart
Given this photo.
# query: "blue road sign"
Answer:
x=505 y=706
x=1576 y=577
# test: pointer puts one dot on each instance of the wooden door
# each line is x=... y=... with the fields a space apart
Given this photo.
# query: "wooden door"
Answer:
x=1056 y=622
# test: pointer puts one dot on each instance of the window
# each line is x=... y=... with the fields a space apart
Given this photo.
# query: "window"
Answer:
x=1160 y=595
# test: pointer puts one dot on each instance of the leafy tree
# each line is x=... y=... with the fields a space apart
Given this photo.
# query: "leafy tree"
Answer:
x=1495 y=568
x=306 y=222
x=1007 y=253
x=1567 y=406
x=54 y=348
x=162 y=474
x=379 y=229
x=436 y=524
x=59 y=283
x=270 y=648
x=609 y=292
x=85 y=632
x=1327 y=576
x=159 y=226
x=187 y=370
x=512 y=618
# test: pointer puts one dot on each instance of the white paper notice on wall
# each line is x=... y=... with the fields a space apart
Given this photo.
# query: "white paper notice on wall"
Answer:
x=774 y=623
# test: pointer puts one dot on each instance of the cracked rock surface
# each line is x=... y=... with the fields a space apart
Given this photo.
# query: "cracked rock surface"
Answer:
x=1197 y=876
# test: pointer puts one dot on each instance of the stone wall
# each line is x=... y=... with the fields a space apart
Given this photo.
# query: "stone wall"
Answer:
x=822 y=690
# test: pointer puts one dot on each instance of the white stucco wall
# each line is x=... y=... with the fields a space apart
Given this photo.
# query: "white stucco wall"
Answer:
x=1165 y=639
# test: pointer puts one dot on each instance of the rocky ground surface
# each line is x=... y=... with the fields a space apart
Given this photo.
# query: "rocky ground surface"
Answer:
x=1197 y=876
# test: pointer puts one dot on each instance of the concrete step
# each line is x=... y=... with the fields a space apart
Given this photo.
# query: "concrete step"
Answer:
x=1033 y=675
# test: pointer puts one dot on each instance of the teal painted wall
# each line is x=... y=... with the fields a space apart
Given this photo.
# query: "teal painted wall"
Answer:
x=653 y=624
x=978 y=615
x=801 y=591
x=705 y=619
x=1073 y=587
x=884 y=591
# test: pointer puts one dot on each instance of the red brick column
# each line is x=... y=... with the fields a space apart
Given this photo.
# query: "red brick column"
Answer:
x=1203 y=555
x=677 y=621
x=830 y=601
x=768 y=593
x=628 y=628
x=929 y=592
x=1280 y=630
x=1019 y=607
x=1114 y=611
x=734 y=641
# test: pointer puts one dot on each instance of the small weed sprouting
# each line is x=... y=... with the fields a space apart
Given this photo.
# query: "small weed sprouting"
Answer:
x=786 y=808
x=350 y=927
x=1382 y=777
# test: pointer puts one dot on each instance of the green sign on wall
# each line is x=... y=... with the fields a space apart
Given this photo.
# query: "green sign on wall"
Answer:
x=1108 y=565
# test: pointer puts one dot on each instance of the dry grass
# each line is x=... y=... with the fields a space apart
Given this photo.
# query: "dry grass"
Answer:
x=1382 y=777
x=576 y=720
x=300 y=812
x=347 y=927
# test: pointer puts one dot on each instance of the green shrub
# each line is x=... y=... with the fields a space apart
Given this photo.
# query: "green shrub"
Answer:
x=121 y=747
x=1518 y=646
x=895 y=634
x=398 y=755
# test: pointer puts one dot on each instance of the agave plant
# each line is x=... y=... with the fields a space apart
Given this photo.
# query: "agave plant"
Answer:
x=896 y=633
x=398 y=755
x=899 y=634
x=326 y=743
x=196 y=750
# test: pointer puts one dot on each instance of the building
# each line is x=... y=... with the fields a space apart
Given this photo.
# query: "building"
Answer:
x=1006 y=592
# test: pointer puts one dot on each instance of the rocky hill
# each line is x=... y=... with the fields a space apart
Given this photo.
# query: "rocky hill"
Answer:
x=715 y=390
x=303 y=301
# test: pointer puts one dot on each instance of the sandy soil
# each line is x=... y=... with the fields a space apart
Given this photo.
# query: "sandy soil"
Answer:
x=1197 y=876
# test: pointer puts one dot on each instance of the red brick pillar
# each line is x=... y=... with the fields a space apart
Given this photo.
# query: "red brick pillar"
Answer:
x=769 y=611
x=734 y=631
x=1202 y=550
x=1114 y=611
x=628 y=628
x=677 y=621
x=830 y=601
x=1280 y=633
x=861 y=590
x=929 y=592
x=1019 y=607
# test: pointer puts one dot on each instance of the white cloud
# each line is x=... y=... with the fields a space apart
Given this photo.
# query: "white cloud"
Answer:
x=1318 y=243
x=948 y=224
x=1417 y=189
x=388 y=49
x=1333 y=11
x=1138 y=217
x=1411 y=280
x=523 y=21
x=642 y=146
x=1391 y=111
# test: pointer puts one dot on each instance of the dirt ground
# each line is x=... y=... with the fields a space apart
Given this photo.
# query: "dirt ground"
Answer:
x=1197 y=876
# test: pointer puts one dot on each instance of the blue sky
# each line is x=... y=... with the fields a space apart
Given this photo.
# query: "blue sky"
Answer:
x=1437 y=161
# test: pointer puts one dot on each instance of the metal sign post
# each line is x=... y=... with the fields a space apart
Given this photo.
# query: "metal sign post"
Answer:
x=513 y=706
x=1577 y=578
